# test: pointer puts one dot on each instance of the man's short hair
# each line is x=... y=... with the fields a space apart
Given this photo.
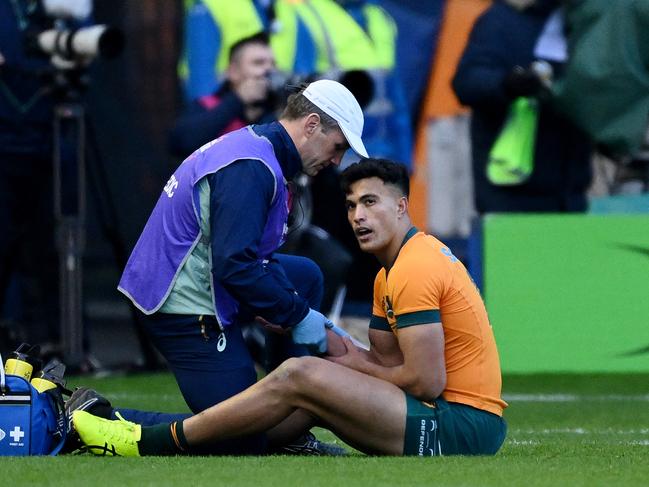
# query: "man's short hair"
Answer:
x=258 y=38
x=299 y=106
x=387 y=171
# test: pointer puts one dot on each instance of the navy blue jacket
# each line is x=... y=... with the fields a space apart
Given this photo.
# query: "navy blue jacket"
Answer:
x=503 y=38
x=236 y=231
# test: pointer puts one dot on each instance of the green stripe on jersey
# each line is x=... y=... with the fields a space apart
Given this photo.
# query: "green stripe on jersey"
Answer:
x=418 y=318
x=379 y=323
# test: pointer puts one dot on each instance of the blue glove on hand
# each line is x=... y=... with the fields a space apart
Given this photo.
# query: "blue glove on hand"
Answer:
x=311 y=333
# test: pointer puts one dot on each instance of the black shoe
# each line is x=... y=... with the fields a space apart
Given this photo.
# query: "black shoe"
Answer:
x=83 y=399
x=308 y=444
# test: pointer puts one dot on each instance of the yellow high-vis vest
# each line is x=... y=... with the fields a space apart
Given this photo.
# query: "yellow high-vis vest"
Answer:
x=236 y=20
x=345 y=45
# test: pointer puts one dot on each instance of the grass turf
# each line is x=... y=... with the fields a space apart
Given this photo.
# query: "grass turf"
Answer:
x=563 y=430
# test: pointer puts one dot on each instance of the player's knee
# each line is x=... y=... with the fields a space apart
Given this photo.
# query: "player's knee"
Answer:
x=295 y=375
x=293 y=368
x=281 y=379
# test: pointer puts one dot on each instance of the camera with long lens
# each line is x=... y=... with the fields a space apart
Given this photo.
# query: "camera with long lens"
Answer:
x=59 y=44
x=359 y=82
x=71 y=48
x=78 y=47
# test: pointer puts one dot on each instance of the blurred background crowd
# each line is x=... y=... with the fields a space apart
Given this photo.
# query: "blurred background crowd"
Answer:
x=442 y=83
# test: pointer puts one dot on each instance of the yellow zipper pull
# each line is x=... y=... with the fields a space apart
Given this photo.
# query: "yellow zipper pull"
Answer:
x=203 y=330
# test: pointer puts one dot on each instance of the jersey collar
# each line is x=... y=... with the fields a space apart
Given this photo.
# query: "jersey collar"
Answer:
x=409 y=235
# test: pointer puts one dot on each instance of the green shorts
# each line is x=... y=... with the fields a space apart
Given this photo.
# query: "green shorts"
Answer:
x=451 y=428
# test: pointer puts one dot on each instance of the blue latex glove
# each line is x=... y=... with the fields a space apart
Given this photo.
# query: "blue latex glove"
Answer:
x=311 y=333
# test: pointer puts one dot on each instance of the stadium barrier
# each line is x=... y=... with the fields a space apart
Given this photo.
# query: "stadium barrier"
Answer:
x=568 y=293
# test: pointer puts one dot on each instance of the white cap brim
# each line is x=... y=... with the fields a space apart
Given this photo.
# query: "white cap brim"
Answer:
x=355 y=142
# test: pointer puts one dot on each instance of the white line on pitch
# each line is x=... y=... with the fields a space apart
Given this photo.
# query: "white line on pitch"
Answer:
x=579 y=431
x=514 y=397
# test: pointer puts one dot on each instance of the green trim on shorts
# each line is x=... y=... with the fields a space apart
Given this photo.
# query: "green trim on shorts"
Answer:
x=418 y=318
x=443 y=428
x=379 y=323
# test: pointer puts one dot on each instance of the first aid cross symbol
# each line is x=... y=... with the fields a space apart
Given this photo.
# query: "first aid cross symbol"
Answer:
x=17 y=434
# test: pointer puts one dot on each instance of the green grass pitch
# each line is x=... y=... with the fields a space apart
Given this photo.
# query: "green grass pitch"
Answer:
x=563 y=430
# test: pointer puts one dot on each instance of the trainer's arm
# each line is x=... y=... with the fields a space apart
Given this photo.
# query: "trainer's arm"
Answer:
x=240 y=199
x=423 y=371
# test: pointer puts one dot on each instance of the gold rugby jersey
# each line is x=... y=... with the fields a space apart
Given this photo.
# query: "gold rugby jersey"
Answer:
x=428 y=284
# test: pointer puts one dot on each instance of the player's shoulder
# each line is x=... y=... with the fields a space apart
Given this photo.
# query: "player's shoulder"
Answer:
x=426 y=260
x=380 y=277
x=420 y=251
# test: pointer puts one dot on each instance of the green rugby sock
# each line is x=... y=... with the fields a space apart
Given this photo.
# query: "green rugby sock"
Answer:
x=163 y=440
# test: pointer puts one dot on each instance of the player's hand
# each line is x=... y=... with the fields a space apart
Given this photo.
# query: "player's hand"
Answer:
x=335 y=345
x=311 y=332
x=352 y=358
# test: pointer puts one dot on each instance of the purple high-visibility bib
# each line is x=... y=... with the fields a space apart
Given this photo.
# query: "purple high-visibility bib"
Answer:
x=173 y=229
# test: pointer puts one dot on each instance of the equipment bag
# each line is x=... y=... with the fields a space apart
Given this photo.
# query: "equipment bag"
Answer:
x=31 y=422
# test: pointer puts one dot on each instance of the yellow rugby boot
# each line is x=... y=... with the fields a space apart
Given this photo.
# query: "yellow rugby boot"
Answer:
x=107 y=438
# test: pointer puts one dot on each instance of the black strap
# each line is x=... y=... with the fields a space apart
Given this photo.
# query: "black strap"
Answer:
x=56 y=399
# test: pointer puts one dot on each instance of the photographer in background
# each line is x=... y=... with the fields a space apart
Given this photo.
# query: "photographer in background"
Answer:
x=244 y=98
x=28 y=269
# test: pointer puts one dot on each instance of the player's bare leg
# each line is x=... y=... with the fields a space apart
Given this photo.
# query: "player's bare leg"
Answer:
x=290 y=429
x=366 y=412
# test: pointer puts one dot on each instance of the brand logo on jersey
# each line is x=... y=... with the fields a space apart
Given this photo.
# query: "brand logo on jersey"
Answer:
x=388 y=308
x=171 y=186
x=447 y=252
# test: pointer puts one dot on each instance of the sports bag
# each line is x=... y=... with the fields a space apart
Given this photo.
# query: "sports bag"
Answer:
x=31 y=422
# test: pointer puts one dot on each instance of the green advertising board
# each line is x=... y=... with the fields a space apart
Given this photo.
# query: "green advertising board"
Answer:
x=568 y=293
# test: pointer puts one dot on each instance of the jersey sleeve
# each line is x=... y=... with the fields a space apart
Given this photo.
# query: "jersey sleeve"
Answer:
x=379 y=321
x=416 y=294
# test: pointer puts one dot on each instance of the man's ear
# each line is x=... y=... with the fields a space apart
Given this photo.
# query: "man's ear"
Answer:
x=311 y=124
x=402 y=207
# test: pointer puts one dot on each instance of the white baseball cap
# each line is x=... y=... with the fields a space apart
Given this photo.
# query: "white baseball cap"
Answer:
x=338 y=102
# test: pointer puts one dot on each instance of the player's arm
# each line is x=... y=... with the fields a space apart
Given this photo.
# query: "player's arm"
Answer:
x=423 y=371
x=337 y=347
x=384 y=348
